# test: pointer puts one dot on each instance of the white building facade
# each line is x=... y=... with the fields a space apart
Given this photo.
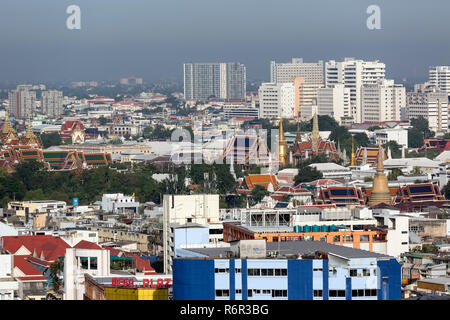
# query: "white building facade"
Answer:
x=353 y=74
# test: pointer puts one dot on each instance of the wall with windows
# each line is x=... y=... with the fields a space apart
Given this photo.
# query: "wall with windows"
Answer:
x=286 y=279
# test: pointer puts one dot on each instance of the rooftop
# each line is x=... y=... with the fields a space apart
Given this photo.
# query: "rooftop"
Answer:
x=300 y=248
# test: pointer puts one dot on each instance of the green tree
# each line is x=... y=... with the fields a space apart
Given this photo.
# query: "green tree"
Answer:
x=415 y=138
x=258 y=193
x=307 y=173
x=421 y=124
x=50 y=139
x=396 y=149
x=394 y=174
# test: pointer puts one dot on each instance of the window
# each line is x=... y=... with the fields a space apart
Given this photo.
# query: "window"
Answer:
x=279 y=293
x=284 y=272
x=336 y=293
x=353 y=273
x=317 y=269
x=238 y=291
x=238 y=270
x=264 y=272
x=318 y=293
x=366 y=272
x=270 y=272
x=266 y=292
x=256 y=291
x=254 y=272
x=250 y=293
x=222 y=293
x=221 y=270
x=277 y=272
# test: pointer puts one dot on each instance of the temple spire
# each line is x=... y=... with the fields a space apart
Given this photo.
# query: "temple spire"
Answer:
x=352 y=161
x=315 y=136
x=282 y=145
x=380 y=190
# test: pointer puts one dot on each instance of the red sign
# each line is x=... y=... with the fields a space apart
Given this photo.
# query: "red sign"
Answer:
x=123 y=282
x=146 y=283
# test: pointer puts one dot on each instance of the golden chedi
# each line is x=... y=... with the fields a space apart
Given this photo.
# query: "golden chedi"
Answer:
x=380 y=190
x=282 y=145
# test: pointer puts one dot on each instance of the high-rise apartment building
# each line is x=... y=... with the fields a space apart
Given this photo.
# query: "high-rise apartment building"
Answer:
x=439 y=77
x=432 y=106
x=311 y=72
x=220 y=80
x=334 y=102
x=21 y=102
x=382 y=102
x=52 y=103
x=354 y=74
x=277 y=100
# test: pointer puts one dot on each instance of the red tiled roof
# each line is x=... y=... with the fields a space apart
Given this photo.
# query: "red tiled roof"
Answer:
x=26 y=267
x=83 y=244
x=52 y=247
x=36 y=278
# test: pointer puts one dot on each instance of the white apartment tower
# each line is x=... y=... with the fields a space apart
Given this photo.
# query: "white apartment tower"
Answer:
x=21 y=102
x=429 y=105
x=382 y=102
x=440 y=77
x=52 y=103
x=276 y=100
x=354 y=74
x=220 y=80
x=334 y=102
x=312 y=72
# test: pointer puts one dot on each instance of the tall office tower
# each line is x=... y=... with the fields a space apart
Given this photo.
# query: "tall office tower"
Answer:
x=433 y=106
x=440 y=77
x=354 y=74
x=382 y=102
x=311 y=72
x=305 y=97
x=52 y=103
x=335 y=102
x=276 y=100
x=21 y=102
x=220 y=80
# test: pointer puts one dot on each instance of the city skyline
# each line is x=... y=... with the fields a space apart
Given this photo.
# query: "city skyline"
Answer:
x=152 y=41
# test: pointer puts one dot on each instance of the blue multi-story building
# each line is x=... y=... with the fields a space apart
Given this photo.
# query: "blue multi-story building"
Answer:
x=290 y=270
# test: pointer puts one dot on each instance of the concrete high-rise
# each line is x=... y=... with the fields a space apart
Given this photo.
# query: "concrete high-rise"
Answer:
x=439 y=77
x=220 y=80
x=354 y=74
x=334 y=102
x=52 y=103
x=276 y=100
x=432 y=106
x=21 y=102
x=311 y=72
x=382 y=102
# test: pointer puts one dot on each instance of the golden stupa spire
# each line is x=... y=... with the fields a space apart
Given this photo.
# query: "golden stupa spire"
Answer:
x=352 y=162
x=380 y=190
x=8 y=133
x=380 y=158
x=29 y=133
x=315 y=135
x=7 y=127
x=30 y=138
x=282 y=145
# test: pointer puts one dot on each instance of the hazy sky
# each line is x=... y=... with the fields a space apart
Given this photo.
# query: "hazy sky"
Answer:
x=152 y=38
